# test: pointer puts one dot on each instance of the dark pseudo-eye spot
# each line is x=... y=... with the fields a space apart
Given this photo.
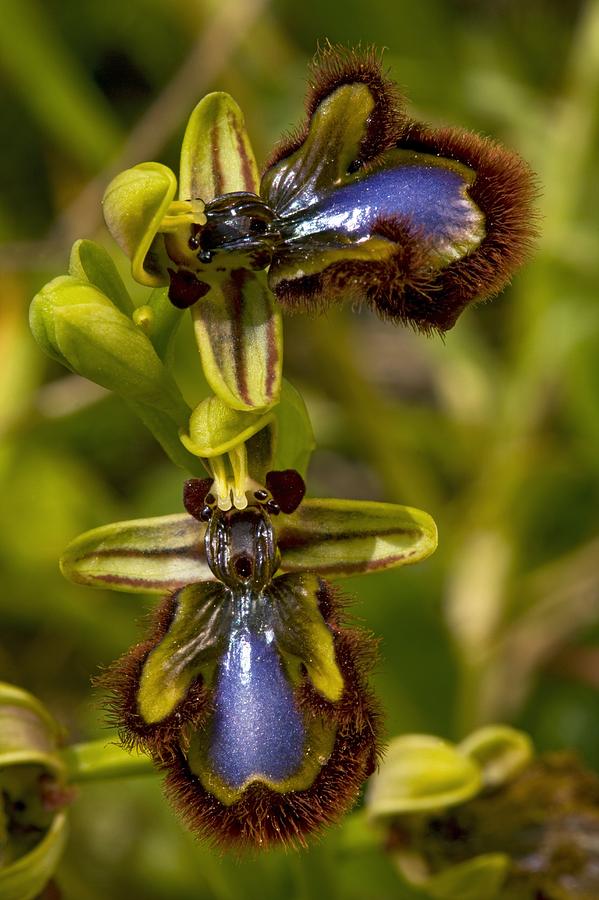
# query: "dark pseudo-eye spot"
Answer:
x=196 y=497
x=185 y=289
x=244 y=566
x=287 y=488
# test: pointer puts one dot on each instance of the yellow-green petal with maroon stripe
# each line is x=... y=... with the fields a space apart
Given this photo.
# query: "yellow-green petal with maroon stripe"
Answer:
x=215 y=428
x=148 y=556
x=349 y=537
x=216 y=156
x=135 y=203
x=239 y=334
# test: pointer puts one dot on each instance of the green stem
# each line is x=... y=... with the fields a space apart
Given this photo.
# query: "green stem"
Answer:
x=97 y=760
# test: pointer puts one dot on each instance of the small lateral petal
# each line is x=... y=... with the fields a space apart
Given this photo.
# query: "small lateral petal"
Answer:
x=239 y=334
x=135 y=204
x=216 y=156
x=215 y=428
x=349 y=537
x=141 y=556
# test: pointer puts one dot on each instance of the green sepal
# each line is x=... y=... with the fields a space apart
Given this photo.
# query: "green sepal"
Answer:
x=135 y=203
x=91 y=262
x=500 y=751
x=421 y=773
x=141 y=556
x=26 y=877
x=215 y=428
x=216 y=155
x=239 y=335
x=350 y=537
x=301 y=632
x=194 y=641
x=480 y=878
x=81 y=327
x=294 y=440
x=333 y=142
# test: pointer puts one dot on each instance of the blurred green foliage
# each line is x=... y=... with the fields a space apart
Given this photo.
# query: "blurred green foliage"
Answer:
x=494 y=431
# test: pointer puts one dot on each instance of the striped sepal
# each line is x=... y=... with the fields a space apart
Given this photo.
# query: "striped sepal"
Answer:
x=239 y=334
x=143 y=556
x=349 y=537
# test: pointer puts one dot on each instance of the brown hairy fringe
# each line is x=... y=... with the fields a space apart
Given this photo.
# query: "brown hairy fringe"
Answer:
x=120 y=683
x=405 y=288
x=262 y=817
x=402 y=288
x=505 y=189
x=333 y=66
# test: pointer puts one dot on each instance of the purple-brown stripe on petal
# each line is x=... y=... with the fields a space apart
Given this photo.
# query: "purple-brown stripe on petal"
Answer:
x=217 y=173
x=247 y=169
x=235 y=299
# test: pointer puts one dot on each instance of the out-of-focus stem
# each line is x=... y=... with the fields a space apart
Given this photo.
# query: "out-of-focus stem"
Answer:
x=98 y=760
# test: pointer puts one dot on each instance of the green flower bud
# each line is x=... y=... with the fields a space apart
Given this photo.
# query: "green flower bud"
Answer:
x=32 y=791
x=78 y=325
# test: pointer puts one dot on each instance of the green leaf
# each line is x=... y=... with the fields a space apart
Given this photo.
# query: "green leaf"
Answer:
x=501 y=752
x=216 y=156
x=301 y=631
x=195 y=639
x=215 y=428
x=348 y=537
x=239 y=334
x=480 y=878
x=421 y=773
x=91 y=262
x=294 y=436
x=142 y=556
x=25 y=878
x=135 y=203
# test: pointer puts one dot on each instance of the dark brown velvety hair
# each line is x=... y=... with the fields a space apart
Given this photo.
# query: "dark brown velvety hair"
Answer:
x=334 y=66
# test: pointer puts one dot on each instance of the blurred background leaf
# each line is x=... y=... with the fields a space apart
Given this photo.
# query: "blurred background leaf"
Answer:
x=494 y=431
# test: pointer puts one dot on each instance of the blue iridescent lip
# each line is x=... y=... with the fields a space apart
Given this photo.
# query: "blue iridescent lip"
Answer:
x=431 y=197
x=257 y=729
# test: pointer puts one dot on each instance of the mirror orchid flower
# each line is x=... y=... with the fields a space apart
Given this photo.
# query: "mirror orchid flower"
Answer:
x=360 y=203
x=250 y=690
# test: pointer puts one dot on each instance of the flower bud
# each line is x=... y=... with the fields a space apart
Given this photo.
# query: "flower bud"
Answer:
x=76 y=324
x=32 y=788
